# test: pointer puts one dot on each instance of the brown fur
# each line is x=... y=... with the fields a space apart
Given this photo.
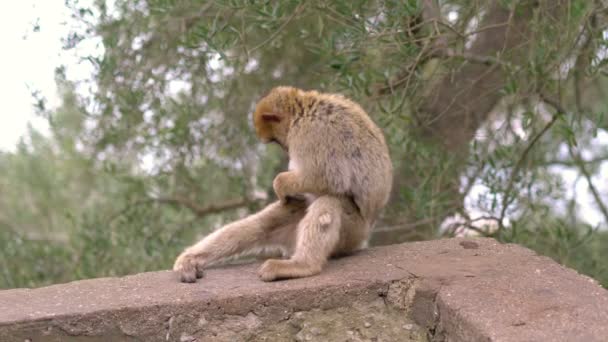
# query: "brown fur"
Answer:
x=339 y=161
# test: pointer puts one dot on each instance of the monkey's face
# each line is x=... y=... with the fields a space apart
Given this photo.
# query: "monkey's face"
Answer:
x=271 y=128
x=264 y=120
x=271 y=117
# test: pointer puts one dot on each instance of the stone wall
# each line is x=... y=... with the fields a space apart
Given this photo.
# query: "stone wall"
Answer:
x=444 y=290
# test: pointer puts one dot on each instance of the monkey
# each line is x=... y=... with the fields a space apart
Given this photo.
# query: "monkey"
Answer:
x=339 y=179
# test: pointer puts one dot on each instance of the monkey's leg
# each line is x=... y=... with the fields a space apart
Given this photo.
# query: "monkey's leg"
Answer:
x=274 y=225
x=318 y=236
x=354 y=230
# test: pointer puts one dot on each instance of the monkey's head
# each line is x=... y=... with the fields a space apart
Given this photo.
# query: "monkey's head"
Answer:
x=273 y=115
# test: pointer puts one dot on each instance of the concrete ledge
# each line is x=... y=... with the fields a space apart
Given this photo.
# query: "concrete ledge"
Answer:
x=445 y=290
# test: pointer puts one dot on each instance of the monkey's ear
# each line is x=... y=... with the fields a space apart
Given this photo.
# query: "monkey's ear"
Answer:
x=271 y=117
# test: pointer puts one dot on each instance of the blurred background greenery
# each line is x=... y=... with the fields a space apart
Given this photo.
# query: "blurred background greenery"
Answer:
x=494 y=110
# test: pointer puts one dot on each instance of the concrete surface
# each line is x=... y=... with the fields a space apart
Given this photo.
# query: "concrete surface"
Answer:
x=445 y=290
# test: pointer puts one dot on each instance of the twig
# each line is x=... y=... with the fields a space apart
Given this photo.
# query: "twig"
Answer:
x=451 y=28
x=405 y=75
x=469 y=224
x=207 y=209
x=469 y=57
x=197 y=209
x=487 y=27
x=585 y=172
x=280 y=29
x=431 y=15
x=584 y=58
x=581 y=165
x=523 y=157
x=570 y=163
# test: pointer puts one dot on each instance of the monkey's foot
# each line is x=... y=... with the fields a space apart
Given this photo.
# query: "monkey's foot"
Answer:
x=274 y=269
x=188 y=267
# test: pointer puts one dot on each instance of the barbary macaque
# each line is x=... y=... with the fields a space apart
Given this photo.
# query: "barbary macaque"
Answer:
x=339 y=179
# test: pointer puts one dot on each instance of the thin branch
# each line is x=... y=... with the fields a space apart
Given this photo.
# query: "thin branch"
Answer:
x=581 y=165
x=435 y=41
x=280 y=29
x=197 y=209
x=469 y=57
x=585 y=172
x=207 y=209
x=451 y=28
x=426 y=53
x=469 y=223
x=471 y=180
x=486 y=28
x=572 y=163
x=431 y=12
x=523 y=157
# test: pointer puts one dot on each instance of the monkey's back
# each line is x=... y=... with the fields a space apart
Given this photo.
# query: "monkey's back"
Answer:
x=334 y=140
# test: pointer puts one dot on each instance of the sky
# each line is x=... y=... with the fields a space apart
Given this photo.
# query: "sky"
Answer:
x=27 y=63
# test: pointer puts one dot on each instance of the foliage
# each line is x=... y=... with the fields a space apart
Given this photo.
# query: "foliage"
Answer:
x=492 y=109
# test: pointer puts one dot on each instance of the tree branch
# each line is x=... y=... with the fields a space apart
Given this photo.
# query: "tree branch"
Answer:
x=596 y=195
x=523 y=157
x=469 y=57
x=461 y=101
x=207 y=209
x=197 y=209
x=270 y=38
x=571 y=163
x=581 y=165
x=458 y=100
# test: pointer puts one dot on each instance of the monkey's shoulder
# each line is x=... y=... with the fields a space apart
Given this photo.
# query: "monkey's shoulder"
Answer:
x=334 y=105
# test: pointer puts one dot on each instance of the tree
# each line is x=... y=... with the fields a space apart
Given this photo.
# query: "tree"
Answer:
x=497 y=98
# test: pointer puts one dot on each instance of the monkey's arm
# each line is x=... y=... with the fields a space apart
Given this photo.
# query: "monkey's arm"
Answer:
x=272 y=226
x=291 y=184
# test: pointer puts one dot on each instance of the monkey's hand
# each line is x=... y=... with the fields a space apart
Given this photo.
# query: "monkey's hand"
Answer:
x=283 y=186
x=188 y=266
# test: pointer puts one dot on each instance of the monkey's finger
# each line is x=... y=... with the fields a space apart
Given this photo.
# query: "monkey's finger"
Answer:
x=188 y=272
x=295 y=198
x=199 y=271
x=188 y=276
